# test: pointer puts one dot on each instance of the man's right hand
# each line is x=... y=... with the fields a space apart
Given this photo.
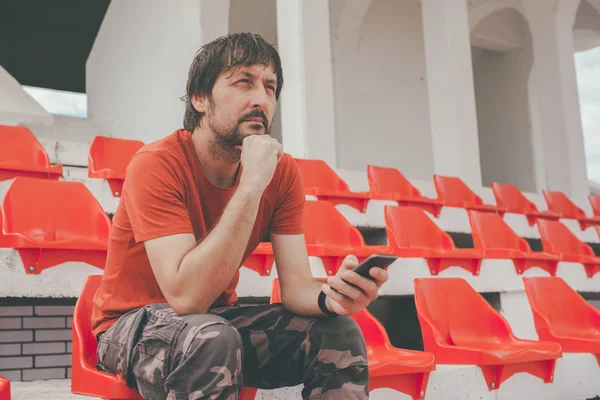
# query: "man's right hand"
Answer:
x=260 y=154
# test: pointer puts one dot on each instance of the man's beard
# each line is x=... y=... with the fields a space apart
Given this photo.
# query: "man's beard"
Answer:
x=225 y=140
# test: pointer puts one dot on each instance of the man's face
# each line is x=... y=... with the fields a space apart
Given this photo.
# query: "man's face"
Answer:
x=242 y=104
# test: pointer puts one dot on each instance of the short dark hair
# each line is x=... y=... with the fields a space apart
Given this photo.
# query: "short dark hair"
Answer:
x=222 y=55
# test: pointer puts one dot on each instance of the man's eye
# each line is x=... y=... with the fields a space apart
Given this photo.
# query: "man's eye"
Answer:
x=243 y=80
x=271 y=87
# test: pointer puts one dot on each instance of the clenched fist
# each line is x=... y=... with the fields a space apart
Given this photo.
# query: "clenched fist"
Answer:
x=260 y=154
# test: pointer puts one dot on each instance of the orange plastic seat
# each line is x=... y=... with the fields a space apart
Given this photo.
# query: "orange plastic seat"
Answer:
x=498 y=240
x=453 y=192
x=261 y=259
x=406 y=371
x=331 y=237
x=85 y=378
x=4 y=388
x=389 y=183
x=108 y=159
x=21 y=154
x=52 y=222
x=513 y=201
x=559 y=240
x=460 y=327
x=561 y=315
x=595 y=202
x=412 y=234
x=322 y=181
x=559 y=203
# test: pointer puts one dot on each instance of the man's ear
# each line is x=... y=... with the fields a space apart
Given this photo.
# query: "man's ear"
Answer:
x=200 y=103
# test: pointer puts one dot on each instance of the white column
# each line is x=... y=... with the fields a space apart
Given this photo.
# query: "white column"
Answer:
x=451 y=92
x=555 y=87
x=307 y=100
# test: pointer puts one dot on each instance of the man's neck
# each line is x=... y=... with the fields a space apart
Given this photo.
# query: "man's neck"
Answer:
x=218 y=167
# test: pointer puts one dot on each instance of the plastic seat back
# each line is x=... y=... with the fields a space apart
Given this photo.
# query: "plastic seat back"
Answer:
x=82 y=325
x=558 y=202
x=21 y=154
x=109 y=157
x=510 y=197
x=51 y=211
x=325 y=225
x=558 y=239
x=411 y=227
x=390 y=181
x=559 y=310
x=452 y=313
x=595 y=202
x=491 y=232
x=454 y=192
x=86 y=379
x=317 y=174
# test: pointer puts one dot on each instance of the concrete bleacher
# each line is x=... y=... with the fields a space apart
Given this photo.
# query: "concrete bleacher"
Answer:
x=576 y=375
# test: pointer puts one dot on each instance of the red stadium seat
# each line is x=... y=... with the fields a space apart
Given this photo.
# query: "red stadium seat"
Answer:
x=322 y=181
x=498 y=240
x=389 y=183
x=595 y=202
x=561 y=315
x=559 y=203
x=412 y=234
x=510 y=197
x=406 y=371
x=331 y=237
x=261 y=259
x=21 y=154
x=460 y=327
x=108 y=159
x=559 y=240
x=4 y=388
x=453 y=192
x=52 y=222
x=86 y=379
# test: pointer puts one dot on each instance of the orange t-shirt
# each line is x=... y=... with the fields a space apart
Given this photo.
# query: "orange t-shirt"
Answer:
x=166 y=192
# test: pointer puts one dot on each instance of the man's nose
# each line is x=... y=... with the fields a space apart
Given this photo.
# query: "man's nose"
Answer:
x=260 y=97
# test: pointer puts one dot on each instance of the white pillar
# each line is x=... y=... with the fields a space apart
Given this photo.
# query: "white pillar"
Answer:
x=307 y=100
x=451 y=91
x=137 y=69
x=555 y=85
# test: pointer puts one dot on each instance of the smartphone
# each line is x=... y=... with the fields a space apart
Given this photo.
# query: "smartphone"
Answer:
x=374 y=260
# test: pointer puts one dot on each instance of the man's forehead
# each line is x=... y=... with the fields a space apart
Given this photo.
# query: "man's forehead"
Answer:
x=266 y=71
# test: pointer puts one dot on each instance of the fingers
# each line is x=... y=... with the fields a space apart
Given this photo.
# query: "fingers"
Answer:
x=337 y=302
x=368 y=286
x=350 y=262
x=381 y=276
x=347 y=290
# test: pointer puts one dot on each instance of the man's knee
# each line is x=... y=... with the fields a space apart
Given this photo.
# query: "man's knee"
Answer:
x=210 y=341
x=340 y=341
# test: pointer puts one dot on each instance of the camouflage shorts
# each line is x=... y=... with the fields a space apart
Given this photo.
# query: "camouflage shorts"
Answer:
x=210 y=356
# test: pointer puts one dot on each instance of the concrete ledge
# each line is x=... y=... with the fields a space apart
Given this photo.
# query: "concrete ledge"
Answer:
x=66 y=280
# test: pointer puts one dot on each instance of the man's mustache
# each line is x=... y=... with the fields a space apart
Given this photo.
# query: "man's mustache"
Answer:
x=255 y=114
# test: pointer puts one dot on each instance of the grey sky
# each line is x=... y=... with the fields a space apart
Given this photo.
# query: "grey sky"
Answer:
x=588 y=82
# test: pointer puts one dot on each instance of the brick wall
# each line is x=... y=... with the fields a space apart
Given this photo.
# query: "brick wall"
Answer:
x=35 y=339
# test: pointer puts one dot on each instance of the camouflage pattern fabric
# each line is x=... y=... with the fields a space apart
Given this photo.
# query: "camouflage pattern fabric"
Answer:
x=211 y=356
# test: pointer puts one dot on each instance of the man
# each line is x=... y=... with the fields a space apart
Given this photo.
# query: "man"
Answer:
x=194 y=206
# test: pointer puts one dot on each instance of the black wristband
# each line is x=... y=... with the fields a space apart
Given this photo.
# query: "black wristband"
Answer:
x=323 y=305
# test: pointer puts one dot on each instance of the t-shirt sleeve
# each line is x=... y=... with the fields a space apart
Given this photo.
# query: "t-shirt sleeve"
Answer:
x=288 y=217
x=154 y=198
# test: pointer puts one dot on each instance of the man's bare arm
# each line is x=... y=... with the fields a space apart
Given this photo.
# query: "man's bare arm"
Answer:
x=299 y=290
x=192 y=276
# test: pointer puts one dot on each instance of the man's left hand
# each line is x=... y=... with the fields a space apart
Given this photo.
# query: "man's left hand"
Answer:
x=347 y=299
